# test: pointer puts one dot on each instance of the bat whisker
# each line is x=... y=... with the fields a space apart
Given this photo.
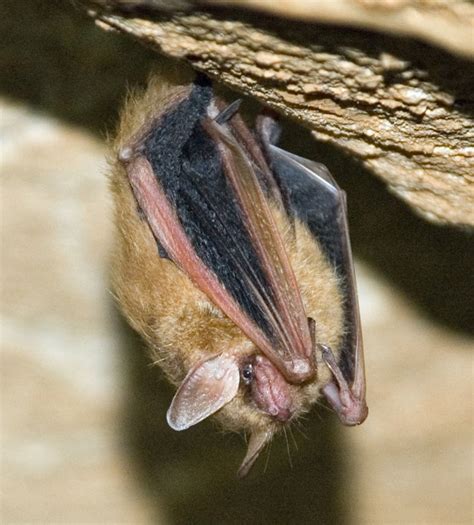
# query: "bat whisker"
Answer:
x=298 y=427
x=268 y=457
x=290 y=431
x=287 y=447
x=326 y=407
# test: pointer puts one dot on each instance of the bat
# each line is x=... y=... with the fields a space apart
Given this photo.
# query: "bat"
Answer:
x=233 y=261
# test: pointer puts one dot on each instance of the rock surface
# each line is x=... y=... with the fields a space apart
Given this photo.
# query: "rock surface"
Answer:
x=61 y=388
x=403 y=108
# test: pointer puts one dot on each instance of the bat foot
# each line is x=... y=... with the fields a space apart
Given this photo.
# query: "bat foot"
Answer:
x=348 y=402
x=268 y=128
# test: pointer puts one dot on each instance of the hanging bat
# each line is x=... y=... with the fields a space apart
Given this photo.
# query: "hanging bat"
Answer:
x=233 y=261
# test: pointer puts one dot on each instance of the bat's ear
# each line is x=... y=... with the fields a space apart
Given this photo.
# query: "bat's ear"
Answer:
x=257 y=442
x=209 y=385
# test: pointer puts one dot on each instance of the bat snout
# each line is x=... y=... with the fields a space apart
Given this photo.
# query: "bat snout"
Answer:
x=270 y=390
x=282 y=414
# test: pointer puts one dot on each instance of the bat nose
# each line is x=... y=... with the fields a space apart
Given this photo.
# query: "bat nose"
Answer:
x=270 y=390
x=283 y=414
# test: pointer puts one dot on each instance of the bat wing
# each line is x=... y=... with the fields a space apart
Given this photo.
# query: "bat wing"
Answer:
x=280 y=299
x=202 y=199
x=315 y=198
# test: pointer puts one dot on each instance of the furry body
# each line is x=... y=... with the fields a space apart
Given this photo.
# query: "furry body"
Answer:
x=180 y=323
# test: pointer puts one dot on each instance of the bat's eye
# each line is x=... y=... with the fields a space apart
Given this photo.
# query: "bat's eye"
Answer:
x=247 y=373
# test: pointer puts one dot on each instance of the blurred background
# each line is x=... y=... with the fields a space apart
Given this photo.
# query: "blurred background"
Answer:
x=83 y=433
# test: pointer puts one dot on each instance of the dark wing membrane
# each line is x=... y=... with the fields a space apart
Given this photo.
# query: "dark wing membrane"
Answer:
x=315 y=198
x=168 y=230
x=205 y=207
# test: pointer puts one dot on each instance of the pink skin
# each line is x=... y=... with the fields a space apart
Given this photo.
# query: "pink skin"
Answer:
x=270 y=390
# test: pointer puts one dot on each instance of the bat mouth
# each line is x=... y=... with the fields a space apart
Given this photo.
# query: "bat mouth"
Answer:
x=281 y=414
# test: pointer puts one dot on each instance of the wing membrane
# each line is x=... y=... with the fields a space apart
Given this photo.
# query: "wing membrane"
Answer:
x=316 y=199
x=165 y=225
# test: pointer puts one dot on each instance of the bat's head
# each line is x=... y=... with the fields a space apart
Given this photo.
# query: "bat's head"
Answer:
x=257 y=394
x=246 y=391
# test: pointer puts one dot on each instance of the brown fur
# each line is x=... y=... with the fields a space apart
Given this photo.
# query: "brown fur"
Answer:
x=179 y=323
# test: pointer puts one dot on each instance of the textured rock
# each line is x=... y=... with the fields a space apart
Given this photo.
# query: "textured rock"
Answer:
x=62 y=460
x=447 y=23
x=403 y=108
